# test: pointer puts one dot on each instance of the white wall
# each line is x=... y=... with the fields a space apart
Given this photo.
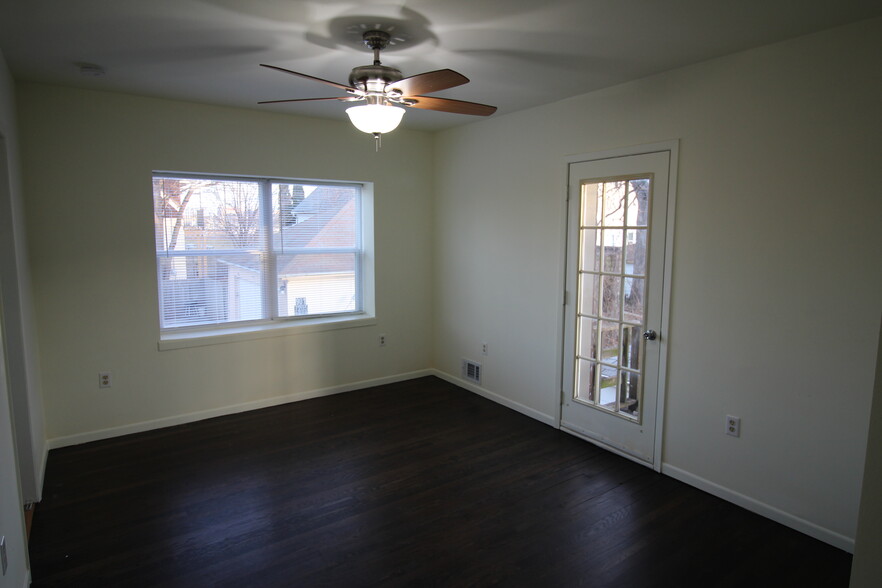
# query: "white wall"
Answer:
x=87 y=159
x=11 y=500
x=776 y=283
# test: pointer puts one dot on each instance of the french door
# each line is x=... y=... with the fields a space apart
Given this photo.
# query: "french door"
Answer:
x=614 y=331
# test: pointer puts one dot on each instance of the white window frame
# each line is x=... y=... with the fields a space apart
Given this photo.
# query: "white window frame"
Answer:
x=275 y=326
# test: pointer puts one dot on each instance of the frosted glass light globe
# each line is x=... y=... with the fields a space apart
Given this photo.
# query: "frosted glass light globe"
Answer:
x=375 y=118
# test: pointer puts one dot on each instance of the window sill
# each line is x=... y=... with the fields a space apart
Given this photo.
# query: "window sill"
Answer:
x=216 y=336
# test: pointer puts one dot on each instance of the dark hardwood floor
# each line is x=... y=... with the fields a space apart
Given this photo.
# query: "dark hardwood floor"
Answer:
x=417 y=483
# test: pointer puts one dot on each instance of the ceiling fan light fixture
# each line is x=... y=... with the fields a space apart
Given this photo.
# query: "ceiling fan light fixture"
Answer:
x=386 y=91
x=375 y=118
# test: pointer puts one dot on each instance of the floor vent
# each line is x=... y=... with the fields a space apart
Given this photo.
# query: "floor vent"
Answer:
x=471 y=371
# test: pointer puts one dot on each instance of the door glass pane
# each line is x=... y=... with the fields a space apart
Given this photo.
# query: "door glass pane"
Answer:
x=635 y=252
x=589 y=290
x=609 y=341
x=633 y=308
x=612 y=250
x=591 y=249
x=592 y=202
x=638 y=202
x=629 y=393
x=614 y=204
x=585 y=381
x=608 y=386
x=631 y=347
x=611 y=297
x=587 y=338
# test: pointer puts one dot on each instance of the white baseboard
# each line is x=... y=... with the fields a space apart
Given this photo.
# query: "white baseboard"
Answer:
x=770 y=512
x=523 y=409
x=140 y=427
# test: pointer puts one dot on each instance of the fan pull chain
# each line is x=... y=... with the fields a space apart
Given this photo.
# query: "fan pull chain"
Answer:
x=378 y=141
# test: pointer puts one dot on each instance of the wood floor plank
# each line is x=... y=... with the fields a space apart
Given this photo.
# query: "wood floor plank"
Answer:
x=417 y=483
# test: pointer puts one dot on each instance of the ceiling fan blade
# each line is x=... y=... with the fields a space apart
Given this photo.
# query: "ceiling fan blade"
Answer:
x=432 y=81
x=448 y=105
x=340 y=98
x=309 y=77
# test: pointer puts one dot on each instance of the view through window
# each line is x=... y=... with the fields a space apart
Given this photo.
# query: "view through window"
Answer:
x=612 y=281
x=230 y=250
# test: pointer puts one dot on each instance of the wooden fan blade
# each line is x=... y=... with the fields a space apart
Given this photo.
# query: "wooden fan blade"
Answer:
x=308 y=77
x=448 y=105
x=432 y=81
x=340 y=98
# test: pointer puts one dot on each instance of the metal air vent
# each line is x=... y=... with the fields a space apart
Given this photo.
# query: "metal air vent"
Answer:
x=471 y=371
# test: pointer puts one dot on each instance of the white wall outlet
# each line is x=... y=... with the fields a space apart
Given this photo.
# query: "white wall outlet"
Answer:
x=381 y=340
x=484 y=348
x=733 y=425
x=105 y=379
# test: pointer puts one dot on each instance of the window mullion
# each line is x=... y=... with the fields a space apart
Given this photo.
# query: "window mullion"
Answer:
x=359 y=258
x=271 y=281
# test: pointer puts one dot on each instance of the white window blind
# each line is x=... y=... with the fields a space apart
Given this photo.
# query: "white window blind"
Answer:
x=230 y=250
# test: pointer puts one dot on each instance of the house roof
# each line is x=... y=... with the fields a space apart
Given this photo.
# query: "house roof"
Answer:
x=326 y=219
x=331 y=212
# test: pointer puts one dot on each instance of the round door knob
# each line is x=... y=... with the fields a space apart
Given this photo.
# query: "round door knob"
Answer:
x=650 y=335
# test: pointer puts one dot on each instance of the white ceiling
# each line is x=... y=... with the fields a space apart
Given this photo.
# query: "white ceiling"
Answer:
x=517 y=53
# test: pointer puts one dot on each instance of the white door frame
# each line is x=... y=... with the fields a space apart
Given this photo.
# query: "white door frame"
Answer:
x=672 y=147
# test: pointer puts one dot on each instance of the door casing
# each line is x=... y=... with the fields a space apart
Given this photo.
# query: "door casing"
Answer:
x=672 y=147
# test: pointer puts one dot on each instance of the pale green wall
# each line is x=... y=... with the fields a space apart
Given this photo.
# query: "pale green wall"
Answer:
x=776 y=283
x=15 y=291
x=87 y=159
x=17 y=470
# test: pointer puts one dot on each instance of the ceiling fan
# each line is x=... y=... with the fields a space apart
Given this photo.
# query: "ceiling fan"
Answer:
x=385 y=91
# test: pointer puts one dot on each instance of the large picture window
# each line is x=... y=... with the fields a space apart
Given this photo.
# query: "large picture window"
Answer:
x=235 y=250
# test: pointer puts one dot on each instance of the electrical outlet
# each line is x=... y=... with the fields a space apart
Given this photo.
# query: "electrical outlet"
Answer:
x=105 y=379
x=733 y=426
x=381 y=339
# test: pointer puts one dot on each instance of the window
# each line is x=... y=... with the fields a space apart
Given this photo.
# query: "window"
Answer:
x=235 y=251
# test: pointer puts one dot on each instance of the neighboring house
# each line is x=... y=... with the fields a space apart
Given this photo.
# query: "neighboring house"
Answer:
x=322 y=282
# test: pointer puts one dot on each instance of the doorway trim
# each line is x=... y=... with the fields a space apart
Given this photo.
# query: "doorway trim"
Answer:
x=672 y=147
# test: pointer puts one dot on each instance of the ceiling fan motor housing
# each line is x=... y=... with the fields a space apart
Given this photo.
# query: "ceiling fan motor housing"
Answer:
x=376 y=39
x=373 y=78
